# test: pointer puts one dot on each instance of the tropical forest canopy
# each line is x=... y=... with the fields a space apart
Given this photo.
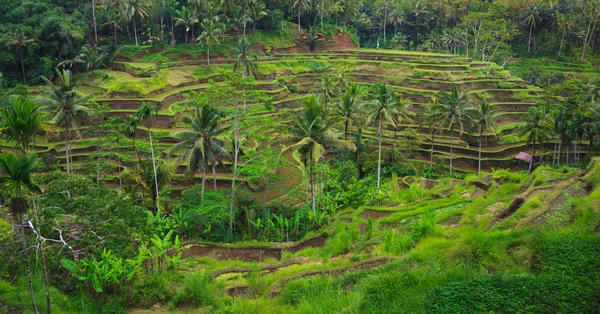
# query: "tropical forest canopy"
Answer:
x=299 y=156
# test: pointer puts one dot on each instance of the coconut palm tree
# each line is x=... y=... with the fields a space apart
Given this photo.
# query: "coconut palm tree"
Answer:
x=382 y=110
x=326 y=87
x=397 y=17
x=531 y=18
x=132 y=10
x=131 y=127
x=349 y=107
x=592 y=124
x=536 y=128
x=454 y=111
x=256 y=12
x=16 y=182
x=203 y=142
x=301 y=6
x=244 y=58
x=311 y=132
x=145 y=113
x=113 y=20
x=19 y=41
x=188 y=19
x=66 y=104
x=21 y=122
x=210 y=34
x=485 y=118
x=428 y=117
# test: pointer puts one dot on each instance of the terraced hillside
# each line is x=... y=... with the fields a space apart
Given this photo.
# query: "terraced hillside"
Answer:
x=486 y=228
x=167 y=77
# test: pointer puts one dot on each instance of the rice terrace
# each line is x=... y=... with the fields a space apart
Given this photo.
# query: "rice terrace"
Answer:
x=301 y=156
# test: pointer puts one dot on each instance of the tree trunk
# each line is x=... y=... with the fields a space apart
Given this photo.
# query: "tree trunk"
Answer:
x=94 y=23
x=431 y=154
x=115 y=34
x=204 y=166
x=208 y=55
x=585 y=40
x=27 y=267
x=532 y=154
x=379 y=127
x=44 y=269
x=67 y=134
x=529 y=42
x=135 y=35
x=385 y=22
x=561 y=43
x=541 y=152
x=214 y=171
x=312 y=188
x=479 y=164
x=154 y=167
x=451 y=143
x=23 y=66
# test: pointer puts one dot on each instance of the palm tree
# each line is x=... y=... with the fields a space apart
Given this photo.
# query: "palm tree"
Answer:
x=145 y=113
x=21 y=122
x=256 y=12
x=113 y=20
x=327 y=88
x=131 y=127
x=592 y=124
x=349 y=107
x=454 y=111
x=593 y=90
x=397 y=17
x=66 y=104
x=210 y=34
x=566 y=25
x=188 y=19
x=312 y=131
x=20 y=42
x=132 y=10
x=244 y=58
x=428 y=117
x=300 y=6
x=535 y=128
x=203 y=142
x=485 y=118
x=382 y=110
x=531 y=17
x=15 y=179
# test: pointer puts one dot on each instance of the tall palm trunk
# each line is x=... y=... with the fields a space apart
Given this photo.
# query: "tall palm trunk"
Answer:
x=346 y=130
x=312 y=188
x=204 y=166
x=154 y=168
x=67 y=136
x=379 y=127
x=44 y=269
x=23 y=66
x=431 y=154
x=451 y=144
x=585 y=40
x=562 y=42
x=299 y=17
x=532 y=154
x=208 y=55
x=94 y=23
x=214 y=171
x=529 y=42
x=27 y=266
x=135 y=34
x=479 y=164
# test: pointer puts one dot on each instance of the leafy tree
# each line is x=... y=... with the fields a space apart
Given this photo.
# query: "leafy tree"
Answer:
x=312 y=131
x=535 y=128
x=454 y=111
x=349 y=107
x=382 y=110
x=188 y=19
x=210 y=34
x=531 y=18
x=66 y=104
x=145 y=113
x=301 y=6
x=132 y=10
x=19 y=41
x=203 y=142
x=428 y=116
x=21 y=122
x=244 y=58
x=256 y=12
x=16 y=182
x=485 y=118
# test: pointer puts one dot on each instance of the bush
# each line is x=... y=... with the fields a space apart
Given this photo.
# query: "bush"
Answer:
x=152 y=288
x=424 y=226
x=396 y=243
x=513 y=295
x=198 y=290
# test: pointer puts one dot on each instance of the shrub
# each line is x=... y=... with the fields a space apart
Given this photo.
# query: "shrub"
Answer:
x=198 y=290
x=150 y=289
x=513 y=295
x=424 y=226
x=396 y=243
